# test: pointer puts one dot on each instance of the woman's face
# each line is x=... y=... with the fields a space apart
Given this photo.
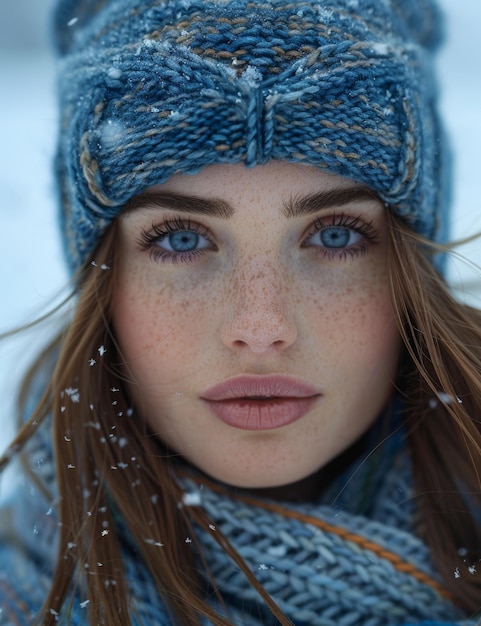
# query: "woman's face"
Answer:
x=253 y=313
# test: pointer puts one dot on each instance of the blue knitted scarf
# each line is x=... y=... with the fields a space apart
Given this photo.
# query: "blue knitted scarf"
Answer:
x=324 y=564
x=352 y=558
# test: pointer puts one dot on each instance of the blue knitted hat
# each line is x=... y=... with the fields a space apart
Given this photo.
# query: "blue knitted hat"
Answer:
x=150 y=88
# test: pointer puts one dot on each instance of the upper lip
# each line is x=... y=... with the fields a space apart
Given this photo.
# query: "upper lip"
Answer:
x=260 y=387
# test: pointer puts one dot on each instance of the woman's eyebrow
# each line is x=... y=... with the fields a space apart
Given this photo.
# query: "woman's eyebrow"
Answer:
x=215 y=207
x=182 y=203
x=332 y=198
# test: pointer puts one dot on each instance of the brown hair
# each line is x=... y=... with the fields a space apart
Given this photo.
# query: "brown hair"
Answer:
x=94 y=436
x=441 y=387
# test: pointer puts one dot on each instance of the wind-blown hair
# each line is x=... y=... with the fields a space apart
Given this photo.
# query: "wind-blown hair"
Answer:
x=439 y=381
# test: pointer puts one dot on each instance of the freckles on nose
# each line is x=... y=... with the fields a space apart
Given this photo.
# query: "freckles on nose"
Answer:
x=258 y=310
x=263 y=287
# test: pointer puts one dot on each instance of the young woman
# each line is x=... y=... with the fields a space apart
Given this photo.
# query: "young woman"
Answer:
x=265 y=406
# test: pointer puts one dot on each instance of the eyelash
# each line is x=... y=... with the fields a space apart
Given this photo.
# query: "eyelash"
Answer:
x=149 y=239
x=357 y=224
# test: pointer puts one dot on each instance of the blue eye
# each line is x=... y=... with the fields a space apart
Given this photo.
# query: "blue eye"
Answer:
x=341 y=236
x=335 y=237
x=176 y=240
x=182 y=241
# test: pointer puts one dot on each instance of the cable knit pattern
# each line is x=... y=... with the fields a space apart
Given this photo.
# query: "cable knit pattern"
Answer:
x=149 y=89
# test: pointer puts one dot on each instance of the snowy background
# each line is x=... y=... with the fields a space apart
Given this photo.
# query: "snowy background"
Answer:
x=32 y=269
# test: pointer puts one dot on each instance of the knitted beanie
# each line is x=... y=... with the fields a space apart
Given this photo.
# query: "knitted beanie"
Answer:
x=151 y=88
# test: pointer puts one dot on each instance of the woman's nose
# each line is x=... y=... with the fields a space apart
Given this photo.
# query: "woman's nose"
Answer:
x=259 y=315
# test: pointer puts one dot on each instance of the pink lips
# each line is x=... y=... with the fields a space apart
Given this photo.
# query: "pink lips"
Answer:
x=261 y=402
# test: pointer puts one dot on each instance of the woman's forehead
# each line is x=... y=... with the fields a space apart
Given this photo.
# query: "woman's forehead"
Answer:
x=278 y=178
x=283 y=189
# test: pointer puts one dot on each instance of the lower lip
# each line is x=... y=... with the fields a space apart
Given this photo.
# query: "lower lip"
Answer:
x=261 y=414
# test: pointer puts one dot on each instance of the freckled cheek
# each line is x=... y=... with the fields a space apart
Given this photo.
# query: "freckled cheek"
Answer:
x=153 y=318
x=373 y=329
x=355 y=320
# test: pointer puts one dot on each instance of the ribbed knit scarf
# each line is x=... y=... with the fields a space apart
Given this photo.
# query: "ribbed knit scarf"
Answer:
x=353 y=558
x=324 y=565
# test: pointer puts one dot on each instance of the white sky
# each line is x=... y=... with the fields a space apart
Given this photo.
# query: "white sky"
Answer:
x=31 y=263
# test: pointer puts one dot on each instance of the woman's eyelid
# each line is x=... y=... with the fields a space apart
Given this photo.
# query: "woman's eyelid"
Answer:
x=363 y=222
x=157 y=241
x=176 y=222
x=170 y=224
